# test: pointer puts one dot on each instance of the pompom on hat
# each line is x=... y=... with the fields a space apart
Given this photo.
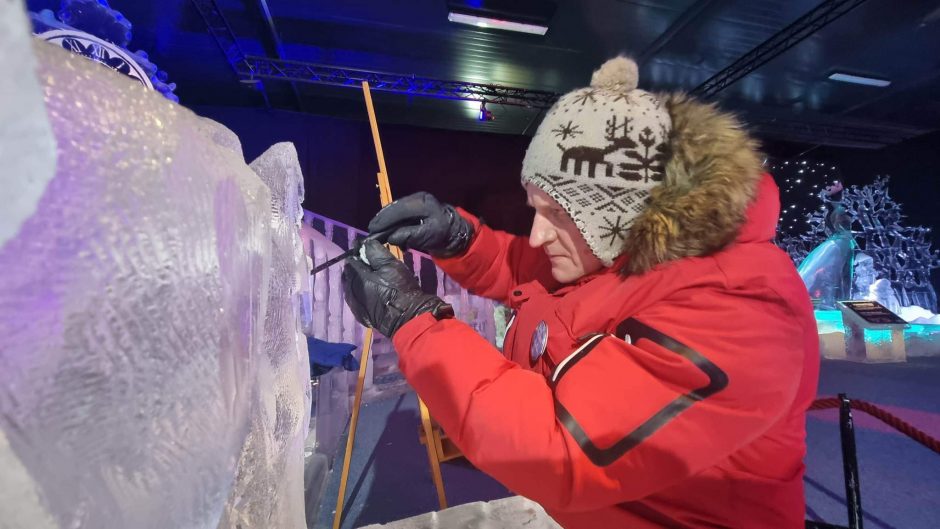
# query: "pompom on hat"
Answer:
x=598 y=153
x=618 y=74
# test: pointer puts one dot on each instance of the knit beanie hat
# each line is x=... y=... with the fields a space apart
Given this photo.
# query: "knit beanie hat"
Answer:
x=598 y=153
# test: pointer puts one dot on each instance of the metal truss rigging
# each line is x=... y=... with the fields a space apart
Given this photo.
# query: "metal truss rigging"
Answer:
x=821 y=16
x=805 y=129
x=306 y=72
x=219 y=28
x=255 y=67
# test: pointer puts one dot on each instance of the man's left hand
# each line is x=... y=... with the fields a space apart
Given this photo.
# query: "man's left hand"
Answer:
x=382 y=293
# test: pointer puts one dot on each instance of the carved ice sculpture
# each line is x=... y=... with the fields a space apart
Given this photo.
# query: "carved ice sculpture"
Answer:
x=505 y=513
x=865 y=274
x=148 y=378
x=827 y=270
x=23 y=125
x=268 y=491
x=899 y=254
x=881 y=291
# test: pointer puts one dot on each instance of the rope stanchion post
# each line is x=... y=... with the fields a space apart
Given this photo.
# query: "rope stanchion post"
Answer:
x=891 y=420
x=853 y=495
x=849 y=455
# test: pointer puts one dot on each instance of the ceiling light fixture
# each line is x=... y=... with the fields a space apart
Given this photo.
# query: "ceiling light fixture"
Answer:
x=495 y=23
x=858 y=79
x=485 y=115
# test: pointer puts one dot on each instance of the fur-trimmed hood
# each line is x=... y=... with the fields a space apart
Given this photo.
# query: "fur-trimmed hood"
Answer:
x=712 y=176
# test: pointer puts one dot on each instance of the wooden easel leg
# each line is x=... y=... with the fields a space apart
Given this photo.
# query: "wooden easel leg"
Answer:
x=353 y=421
x=385 y=197
x=434 y=453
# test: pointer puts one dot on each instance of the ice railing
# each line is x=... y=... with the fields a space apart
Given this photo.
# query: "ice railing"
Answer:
x=332 y=321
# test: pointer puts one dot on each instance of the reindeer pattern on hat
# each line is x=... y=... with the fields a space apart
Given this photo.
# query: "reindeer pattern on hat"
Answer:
x=599 y=152
x=643 y=155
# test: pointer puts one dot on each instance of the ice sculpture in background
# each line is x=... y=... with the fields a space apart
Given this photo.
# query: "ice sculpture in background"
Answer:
x=134 y=310
x=881 y=291
x=269 y=487
x=864 y=275
x=900 y=254
x=827 y=270
x=505 y=513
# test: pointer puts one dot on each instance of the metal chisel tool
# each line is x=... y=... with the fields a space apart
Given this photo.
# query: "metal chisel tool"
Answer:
x=380 y=236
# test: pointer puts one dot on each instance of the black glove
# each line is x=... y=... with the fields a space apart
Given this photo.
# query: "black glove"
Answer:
x=384 y=294
x=426 y=225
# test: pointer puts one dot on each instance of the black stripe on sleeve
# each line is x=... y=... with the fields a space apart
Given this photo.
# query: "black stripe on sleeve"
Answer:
x=717 y=381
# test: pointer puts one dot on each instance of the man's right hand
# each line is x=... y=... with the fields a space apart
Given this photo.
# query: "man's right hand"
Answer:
x=425 y=224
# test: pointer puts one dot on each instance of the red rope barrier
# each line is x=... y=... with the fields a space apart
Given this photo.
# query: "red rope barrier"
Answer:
x=885 y=417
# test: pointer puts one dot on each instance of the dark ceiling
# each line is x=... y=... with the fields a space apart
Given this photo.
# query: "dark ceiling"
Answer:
x=680 y=44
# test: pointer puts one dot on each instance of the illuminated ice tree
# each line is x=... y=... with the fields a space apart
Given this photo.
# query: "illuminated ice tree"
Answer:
x=901 y=254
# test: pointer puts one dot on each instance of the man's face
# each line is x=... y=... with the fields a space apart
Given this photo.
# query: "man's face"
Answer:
x=555 y=232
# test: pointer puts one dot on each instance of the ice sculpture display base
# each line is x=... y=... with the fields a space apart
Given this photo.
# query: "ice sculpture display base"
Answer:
x=874 y=346
x=873 y=334
x=843 y=337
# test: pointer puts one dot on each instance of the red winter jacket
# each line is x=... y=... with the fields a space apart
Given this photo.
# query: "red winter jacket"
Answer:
x=673 y=398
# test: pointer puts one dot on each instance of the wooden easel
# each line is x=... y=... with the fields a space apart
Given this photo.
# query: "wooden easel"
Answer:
x=436 y=452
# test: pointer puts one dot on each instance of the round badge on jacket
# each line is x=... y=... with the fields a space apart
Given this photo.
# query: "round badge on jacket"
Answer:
x=539 y=342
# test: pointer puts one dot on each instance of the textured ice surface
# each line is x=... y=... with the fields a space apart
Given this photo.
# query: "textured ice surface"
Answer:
x=222 y=136
x=135 y=371
x=23 y=124
x=506 y=513
x=269 y=488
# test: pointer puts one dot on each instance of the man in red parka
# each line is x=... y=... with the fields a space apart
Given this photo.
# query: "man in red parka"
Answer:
x=663 y=351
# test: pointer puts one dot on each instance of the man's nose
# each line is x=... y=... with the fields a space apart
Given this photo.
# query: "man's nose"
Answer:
x=542 y=232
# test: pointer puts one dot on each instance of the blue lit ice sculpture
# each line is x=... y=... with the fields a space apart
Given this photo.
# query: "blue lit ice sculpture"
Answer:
x=827 y=270
x=900 y=255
